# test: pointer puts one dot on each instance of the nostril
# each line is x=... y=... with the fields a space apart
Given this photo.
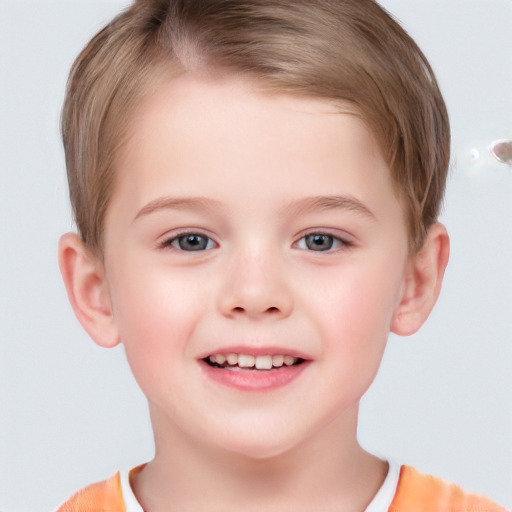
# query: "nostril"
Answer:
x=239 y=309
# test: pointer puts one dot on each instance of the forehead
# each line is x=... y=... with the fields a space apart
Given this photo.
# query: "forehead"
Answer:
x=196 y=133
x=212 y=112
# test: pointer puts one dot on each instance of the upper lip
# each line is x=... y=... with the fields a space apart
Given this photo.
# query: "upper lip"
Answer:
x=256 y=351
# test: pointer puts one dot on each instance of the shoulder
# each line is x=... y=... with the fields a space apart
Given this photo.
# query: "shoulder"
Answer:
x=417 y=492
x=104 y=496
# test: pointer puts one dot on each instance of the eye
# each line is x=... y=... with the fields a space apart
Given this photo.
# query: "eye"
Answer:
x=320 y=242
x=190 y=242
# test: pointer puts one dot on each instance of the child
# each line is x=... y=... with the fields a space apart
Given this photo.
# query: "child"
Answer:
x=256 y=187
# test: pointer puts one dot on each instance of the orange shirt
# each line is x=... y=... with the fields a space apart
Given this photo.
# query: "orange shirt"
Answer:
x=424 y=493
x=415 y=493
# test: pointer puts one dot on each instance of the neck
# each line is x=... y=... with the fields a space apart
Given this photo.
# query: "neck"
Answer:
x=329 y=471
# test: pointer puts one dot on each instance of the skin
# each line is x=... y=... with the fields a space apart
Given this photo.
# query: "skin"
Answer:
x=253 y=174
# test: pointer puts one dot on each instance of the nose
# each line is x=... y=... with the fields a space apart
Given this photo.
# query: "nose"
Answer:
x=255 y=286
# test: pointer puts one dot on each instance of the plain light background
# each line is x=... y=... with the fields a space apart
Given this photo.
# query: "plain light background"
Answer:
x=70 y=413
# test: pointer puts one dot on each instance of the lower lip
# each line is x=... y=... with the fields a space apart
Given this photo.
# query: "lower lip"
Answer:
x=254 y=380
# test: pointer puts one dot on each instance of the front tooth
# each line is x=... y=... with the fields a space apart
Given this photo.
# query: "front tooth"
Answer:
x=289 y=360
x=220 y=358
x=245 y=361
x=232 y=359
x=277 y=361
x=263 y=362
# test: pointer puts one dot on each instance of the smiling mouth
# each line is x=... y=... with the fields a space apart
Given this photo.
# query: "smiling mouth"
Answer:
x=249 y=362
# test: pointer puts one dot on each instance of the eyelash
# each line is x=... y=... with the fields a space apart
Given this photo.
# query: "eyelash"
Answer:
x=174 y=241
x=337 y=243
x=334 y=243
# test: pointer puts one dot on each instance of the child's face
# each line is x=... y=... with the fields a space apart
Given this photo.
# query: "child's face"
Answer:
x=257 y=224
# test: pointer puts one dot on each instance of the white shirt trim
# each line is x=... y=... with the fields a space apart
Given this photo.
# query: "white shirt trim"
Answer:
x=386 y=493
x=130 y=501
x=381 y=502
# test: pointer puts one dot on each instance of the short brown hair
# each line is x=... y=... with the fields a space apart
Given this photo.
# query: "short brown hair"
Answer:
x=349 y=50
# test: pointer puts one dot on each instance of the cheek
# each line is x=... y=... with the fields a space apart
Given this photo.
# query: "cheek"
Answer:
x=151 y=299
x=355 y=328
x=364 y=295
x=156 y=314
x=355 y=309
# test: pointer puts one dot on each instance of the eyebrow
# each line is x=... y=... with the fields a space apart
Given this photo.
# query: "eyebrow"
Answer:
x=301 y=206
x=337 y=202
x=177 y=203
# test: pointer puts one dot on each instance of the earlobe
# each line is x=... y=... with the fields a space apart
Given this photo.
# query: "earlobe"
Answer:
x=84 y=277
x=423 y=279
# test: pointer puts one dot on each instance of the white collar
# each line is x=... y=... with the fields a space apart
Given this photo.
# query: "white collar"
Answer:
x=384 y=497
x=130 y=501
x=381 y=501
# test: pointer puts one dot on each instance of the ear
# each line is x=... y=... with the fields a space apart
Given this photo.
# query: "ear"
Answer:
x=87 y=289
x=423 y=279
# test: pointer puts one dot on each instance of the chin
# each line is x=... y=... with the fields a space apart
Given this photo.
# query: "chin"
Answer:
x=259 y=452
x=259 y=447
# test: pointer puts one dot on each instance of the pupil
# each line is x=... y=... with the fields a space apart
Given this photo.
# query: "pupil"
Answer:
x=319 y=242
x=193 y=242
